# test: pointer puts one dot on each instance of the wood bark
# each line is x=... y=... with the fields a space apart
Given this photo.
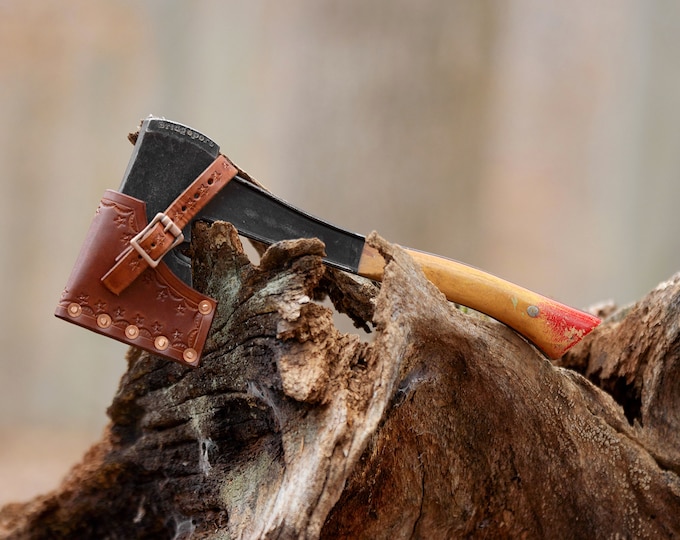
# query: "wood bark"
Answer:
x=444 y=424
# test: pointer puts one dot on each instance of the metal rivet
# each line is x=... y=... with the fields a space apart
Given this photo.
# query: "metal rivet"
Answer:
x=161 y=343
x=190 y=355
x=205 y=307
x=532 y=311
x=103 y=320
x=132 y=331
x=74 y=310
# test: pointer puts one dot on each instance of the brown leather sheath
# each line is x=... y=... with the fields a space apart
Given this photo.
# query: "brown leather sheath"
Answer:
x=156 y=311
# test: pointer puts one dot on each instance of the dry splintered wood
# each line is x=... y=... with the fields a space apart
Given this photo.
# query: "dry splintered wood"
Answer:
x=444 y=425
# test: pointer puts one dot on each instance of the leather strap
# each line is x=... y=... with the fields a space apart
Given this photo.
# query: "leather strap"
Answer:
x=164 y=232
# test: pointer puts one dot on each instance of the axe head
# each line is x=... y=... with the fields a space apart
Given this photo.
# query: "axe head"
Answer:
x=169 y=156
x=166 y=158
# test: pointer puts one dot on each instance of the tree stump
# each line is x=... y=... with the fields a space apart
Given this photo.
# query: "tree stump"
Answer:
x=446 y=424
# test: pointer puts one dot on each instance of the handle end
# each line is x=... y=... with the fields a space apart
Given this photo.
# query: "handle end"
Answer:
x=564 y=326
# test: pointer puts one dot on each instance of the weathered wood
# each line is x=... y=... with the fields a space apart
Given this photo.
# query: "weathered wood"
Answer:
x=447 y=424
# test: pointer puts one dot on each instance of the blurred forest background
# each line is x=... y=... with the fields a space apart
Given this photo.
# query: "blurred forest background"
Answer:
x=537 y=140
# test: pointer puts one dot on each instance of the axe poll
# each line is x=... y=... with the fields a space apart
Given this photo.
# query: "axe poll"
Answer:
x=177 y=174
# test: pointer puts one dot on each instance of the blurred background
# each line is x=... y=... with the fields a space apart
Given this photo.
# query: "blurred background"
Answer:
x=537 y=140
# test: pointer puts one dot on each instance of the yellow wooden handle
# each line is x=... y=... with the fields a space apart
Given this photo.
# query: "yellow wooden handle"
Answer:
x=550 y=325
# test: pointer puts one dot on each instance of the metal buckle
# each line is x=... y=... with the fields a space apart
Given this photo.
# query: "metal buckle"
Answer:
x=169 y=225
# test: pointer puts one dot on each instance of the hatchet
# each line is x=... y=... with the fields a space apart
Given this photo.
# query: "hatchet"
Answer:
x=169 y=156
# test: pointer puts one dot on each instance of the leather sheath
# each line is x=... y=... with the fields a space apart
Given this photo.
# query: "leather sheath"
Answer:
x=156 y=311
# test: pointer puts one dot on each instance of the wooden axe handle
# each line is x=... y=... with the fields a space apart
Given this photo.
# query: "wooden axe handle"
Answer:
x=549 y=325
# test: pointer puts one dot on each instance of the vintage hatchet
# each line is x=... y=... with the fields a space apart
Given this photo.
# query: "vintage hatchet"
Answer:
x=180 y=175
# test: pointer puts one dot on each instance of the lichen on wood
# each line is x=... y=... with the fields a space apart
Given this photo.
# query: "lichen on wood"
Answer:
x=444 y=425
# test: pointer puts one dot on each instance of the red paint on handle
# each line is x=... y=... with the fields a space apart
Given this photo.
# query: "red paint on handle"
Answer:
x=568 y=325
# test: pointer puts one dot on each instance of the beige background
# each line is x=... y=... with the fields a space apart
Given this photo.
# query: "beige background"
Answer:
x=537 y=140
